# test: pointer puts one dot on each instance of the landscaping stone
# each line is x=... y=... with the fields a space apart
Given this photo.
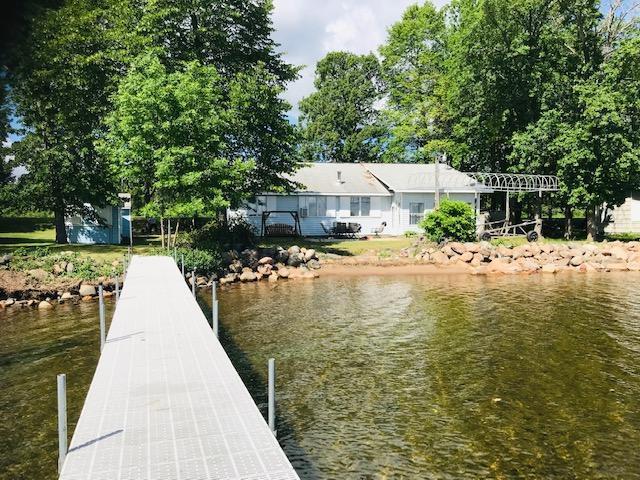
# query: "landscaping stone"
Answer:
x=44 y=304
x=283 y=272
x=248 y=276
x=265 y=261
x=310 y=254
x=466 y=257
x=87 y=290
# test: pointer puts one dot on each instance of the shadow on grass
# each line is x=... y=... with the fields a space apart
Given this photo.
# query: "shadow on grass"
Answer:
x=17 y=241
x=25 y=224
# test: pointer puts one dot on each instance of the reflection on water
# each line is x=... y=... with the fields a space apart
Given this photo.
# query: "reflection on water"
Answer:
x=388 y=377
x=448 y=377
x=36 y=345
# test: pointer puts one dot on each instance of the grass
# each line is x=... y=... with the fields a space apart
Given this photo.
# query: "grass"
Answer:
x=342 y=247
x=18 y=232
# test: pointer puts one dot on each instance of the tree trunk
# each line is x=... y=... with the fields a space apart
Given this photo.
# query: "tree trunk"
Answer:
x=175 y=235
x=61 y=230
x=592 y=223
x=162 y=231
x=568 y=216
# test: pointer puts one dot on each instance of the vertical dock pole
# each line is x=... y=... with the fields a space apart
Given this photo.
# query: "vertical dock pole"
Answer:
x=182 y=262
x=124 y=265
x=103 y=334
x=214 y=309
x=62 y=420
x=117 y=288
x=272 y=396
x=193 y=282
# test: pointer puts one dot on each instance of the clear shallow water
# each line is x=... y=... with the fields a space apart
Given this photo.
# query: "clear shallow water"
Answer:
x=448 y=377
x=388 y=377
x=36 y=345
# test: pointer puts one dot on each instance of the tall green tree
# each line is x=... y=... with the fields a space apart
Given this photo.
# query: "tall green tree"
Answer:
x=232 y=35
x=190 y=142
x=68 y=66
x=339 y=121
x=413 y=65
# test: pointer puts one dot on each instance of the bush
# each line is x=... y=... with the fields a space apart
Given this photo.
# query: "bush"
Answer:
x=216 y=236
x=454 y=220
x=204 y=262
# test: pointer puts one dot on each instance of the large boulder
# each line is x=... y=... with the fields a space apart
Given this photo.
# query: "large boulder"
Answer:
x=458 y=247
x=44 y=304
x=281 y=255
x=265 y=261
x=295 y=259
x=313 y=264
x=70 y=267
x=273 y=277
x=265 y=269
x=466 y=257
x=229 y=278
x=87 y=290
x=283 y=272
x=439 y=258
x=293 y=249
x=577 y=261
x=248 y=276
x=448 y=251
x=549 y=268
x=472 y=247
x=310 y=254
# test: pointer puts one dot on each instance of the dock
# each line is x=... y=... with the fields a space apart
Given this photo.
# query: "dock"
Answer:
x=165 y=401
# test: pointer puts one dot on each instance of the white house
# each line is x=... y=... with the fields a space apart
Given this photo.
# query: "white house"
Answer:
x=368 y=194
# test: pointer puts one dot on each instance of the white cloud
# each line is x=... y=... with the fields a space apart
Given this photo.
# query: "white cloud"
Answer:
x=309 y=29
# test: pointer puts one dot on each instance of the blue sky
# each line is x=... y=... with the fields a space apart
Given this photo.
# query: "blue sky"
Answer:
x=309 y=29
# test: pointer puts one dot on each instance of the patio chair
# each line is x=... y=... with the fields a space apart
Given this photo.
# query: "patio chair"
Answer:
x=378 y=230
x=328 y=230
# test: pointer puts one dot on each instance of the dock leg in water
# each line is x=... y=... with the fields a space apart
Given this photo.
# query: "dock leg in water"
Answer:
x=62 y=420
x=272 y=396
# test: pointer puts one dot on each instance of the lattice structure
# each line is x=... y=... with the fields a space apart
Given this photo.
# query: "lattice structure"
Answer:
x=516 y=182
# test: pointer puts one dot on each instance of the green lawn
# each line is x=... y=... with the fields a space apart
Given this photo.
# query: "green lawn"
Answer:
x=343 y=247
x=16 y=232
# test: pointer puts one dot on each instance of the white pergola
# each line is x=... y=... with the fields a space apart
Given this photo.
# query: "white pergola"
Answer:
x=516 y=182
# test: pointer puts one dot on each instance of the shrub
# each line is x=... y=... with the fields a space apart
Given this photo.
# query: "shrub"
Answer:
x=216 y=236
x=454 y=220
x=204 y=262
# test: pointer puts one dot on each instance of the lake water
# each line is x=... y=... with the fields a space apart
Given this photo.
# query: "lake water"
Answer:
x=389 y=377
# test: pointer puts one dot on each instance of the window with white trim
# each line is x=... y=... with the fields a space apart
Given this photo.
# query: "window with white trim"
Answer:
x=416 y=213
x=313 y=206
x=360 y=206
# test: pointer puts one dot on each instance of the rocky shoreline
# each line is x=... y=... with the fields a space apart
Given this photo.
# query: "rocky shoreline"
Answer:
x=484 y=258
x=23 y=289
x=272 y=264
x=41 y=289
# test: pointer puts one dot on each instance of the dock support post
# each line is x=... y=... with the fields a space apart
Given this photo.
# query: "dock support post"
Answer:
x=102 y=321
x=272 y=396
x=193 y=282
x=124 y=265
x=117 y=288
x=182 y=262
x=214 y=309
x=62 y=420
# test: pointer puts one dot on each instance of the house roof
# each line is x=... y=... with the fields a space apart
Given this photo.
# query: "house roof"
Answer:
x=421 y=177
x=381 y=178
x=338 y=179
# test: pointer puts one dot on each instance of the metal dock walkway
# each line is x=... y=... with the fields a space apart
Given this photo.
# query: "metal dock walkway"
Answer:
x=165 y=401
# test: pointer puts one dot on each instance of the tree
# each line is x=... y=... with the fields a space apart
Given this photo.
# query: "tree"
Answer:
x=62 y=79
x=190 y=142
x=339 y=121
x=232 y=35
x=412 y=66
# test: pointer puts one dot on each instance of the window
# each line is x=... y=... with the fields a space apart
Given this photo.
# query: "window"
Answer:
x=313 y=206
x=360 y=206
x=416 y=213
